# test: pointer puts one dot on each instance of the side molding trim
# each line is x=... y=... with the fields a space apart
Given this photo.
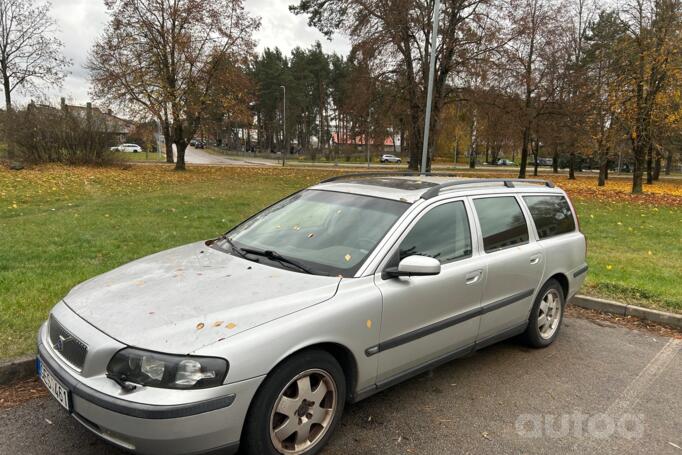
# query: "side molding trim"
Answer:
x=580 y=271
x=446 y=323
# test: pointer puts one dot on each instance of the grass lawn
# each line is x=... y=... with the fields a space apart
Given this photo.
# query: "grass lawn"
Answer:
x=61 y=225
x=140 y=156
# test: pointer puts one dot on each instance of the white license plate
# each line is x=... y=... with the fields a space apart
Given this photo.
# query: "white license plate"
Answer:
x=57 y=390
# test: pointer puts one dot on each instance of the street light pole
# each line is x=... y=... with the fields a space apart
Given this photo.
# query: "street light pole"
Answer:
x=369 y=119
x=284 y=128
x=429 y=96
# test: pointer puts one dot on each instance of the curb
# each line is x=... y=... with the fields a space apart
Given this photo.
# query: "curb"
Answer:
x=17 y=369
x=621 y=309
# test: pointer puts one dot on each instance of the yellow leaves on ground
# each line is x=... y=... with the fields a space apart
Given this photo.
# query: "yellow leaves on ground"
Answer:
x=45 y=184
x=50 y=183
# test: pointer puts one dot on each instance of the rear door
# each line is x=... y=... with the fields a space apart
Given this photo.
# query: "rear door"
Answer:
x=514 y=261
x=425 y=318
x=557 y=233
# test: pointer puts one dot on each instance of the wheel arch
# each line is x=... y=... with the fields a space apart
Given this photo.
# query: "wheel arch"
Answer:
x=341 y=353
x=562 y=279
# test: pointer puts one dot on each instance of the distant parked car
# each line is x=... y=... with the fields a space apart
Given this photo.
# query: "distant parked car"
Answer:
x=504 y=162
x=545 y=161
x=389 y=159
x=133 y=148
x=197 y=143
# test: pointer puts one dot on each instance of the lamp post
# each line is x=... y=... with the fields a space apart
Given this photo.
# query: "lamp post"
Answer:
x=369 y=120
x=429 y=96
x=284 y=126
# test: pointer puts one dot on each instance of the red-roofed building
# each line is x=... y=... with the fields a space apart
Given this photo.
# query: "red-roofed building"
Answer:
x=389 y=144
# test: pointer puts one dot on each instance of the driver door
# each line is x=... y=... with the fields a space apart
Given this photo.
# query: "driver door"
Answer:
x=428 y=318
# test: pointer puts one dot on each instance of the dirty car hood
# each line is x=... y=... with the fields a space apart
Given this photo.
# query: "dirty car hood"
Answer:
x=180 y=300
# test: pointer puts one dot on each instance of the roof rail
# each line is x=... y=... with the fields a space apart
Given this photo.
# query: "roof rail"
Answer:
x=386 y=174
x=509 y=183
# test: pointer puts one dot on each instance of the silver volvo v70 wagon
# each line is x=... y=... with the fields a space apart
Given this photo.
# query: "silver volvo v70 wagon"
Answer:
x=259 y=338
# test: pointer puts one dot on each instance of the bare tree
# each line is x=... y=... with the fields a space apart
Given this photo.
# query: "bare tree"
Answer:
x=530 y=61
x=165 y=55
x=30 y=54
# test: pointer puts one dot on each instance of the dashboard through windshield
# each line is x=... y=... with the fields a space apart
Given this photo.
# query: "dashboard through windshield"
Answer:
x=325 y=232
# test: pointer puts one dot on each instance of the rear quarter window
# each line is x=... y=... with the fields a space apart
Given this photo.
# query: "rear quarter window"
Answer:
x=502 y=222
x=552 y=215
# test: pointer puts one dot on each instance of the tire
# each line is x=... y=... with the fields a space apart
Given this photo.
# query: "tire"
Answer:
x=546 y=316
x=320 y=368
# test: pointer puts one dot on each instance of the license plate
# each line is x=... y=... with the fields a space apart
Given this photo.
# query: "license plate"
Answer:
x=57 y=390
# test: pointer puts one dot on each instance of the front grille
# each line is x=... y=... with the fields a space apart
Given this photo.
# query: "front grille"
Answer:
x=67 y=346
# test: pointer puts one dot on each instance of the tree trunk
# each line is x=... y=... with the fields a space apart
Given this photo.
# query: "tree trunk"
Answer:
x=555 y=159
x=603 y=171
x=181 y=147
x=167 y=139
x=524 y=152
x=474 y=142
x=168 y=144
x=571 y=166
x=638 y=168
x=657 y=167
x=472 y=159
x=8 y=118
x=649 y=164
x=669 y=162
x=536 y=152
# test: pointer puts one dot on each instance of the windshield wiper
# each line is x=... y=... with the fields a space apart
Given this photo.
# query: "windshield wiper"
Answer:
x=233 y=247
x=275 y=256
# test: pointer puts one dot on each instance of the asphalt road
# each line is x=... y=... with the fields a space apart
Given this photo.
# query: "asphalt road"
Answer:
x=198 y=156
x=618 y=391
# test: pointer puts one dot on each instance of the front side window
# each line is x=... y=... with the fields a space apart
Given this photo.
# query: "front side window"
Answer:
x=502 y=222
x=443 y=233
x=552 y=215
x=327 y=232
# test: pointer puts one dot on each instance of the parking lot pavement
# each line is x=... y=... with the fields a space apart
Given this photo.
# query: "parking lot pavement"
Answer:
x=599 y=389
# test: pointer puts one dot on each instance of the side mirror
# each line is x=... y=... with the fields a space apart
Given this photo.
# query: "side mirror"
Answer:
x=414 y=266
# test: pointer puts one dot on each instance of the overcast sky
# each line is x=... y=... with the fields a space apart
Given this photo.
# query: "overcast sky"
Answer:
x=81 y=21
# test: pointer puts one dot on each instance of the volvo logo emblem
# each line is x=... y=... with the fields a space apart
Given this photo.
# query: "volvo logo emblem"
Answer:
x=59 y=345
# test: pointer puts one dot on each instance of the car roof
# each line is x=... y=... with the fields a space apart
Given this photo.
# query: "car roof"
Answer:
x=414 y=187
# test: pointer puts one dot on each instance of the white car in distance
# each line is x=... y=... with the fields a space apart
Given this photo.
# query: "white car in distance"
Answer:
x=389 y=159
x=130 y=148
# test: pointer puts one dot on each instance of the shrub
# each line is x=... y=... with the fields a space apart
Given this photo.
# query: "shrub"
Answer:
x=43 y=134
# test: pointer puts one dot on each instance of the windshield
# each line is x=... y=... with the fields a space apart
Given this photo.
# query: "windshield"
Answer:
x=329 y=233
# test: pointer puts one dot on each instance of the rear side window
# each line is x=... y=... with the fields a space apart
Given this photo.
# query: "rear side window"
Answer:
x=443 y=233
x=502 y=222
x=552 y=215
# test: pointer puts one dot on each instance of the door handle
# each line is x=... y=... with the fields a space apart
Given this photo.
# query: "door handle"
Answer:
x=535 y=259
x=473 y=277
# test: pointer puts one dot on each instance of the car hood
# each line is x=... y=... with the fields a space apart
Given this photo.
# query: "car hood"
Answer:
x=182 y=299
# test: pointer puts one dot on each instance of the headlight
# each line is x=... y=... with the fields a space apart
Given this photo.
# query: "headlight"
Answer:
x=167 y=371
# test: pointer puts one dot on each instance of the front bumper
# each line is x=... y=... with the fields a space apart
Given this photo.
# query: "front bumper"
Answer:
x=152 y=428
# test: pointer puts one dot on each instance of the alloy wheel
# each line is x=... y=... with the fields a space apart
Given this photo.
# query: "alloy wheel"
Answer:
x=303 y=412
x=549 y=316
